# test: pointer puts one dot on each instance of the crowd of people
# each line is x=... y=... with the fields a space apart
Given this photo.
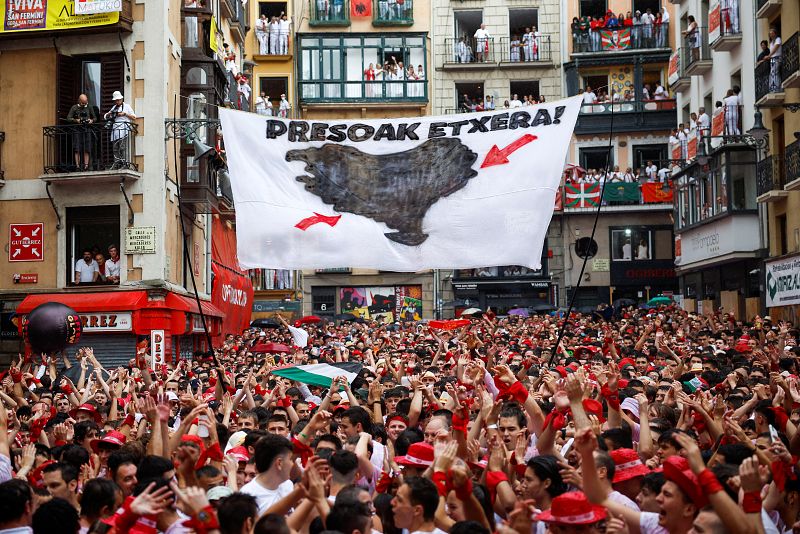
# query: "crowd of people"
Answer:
x=651 y=172
x=647 y=30
x=397 y=76
x=469 y=103
x=699 y=122
x=96 y=268
x=273 y=35
x=636 y=421
x=524 y=44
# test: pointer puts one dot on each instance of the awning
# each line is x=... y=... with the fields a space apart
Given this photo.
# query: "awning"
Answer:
x=189 y=304
x=88 y=302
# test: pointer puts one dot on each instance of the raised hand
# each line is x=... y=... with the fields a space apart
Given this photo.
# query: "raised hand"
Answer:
x=151 y=502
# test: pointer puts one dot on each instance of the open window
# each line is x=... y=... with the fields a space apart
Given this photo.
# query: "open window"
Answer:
x=468 y=94
x=524 y=88
x=641 y=244
x=93 y=229
x=596 y=157
x=644 y=153
x=643 y=5
x=522 y=20
x=593 y=8
x=271 y=9
x=467 y=22
x=273 y=88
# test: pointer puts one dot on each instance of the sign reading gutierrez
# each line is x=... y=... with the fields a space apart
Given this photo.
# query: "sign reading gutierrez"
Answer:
x=458 y=191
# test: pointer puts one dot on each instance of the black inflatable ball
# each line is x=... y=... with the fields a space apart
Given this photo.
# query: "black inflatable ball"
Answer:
x=50 y=327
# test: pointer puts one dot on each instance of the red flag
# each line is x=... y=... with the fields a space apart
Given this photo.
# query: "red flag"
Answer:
x=656 y=192
x=361 y=8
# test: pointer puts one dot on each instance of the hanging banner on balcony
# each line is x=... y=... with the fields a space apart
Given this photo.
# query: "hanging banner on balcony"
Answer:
x=675 y=152
x=33 y=15
x=783 y=282
x=582 y=195
x=362 y=8
x=399 y=194
x=615 y=39
x=656 y=193
x=621 y=192
x=714 y=20
x=691 y=145
x=718 y=122
x=673 y=73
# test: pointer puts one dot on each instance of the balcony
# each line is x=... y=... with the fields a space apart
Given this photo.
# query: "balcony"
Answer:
x=696 y=53
x=281 y=49
x=792 y=167
x=72 y=24
x=514 y=55
x=239 y=21
x=616 y=196
x=767 y=8
x=379 y=91
x=770 y=179
x=392 y=14
x=679 y=81
x=791 y=62
x=469 y=54
x=620 y=40
x=769 y=91
x=329 y=13
x=730 y=29
x=91 y=153
x=630 y=116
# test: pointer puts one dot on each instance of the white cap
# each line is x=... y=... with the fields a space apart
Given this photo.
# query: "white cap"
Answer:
x=116 y=96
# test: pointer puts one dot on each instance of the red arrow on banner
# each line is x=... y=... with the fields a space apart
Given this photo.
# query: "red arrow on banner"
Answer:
x=308 y=222
x=497 y=156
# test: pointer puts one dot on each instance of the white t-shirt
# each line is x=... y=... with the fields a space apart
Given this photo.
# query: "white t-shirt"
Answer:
x=480 y=33
x=589 y=98
x=112 y=267
x=267 y=497
x=619 y=498
x=87 y=271
x=648 y=524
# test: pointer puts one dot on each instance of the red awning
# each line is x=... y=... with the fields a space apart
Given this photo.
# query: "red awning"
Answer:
x=117 y=300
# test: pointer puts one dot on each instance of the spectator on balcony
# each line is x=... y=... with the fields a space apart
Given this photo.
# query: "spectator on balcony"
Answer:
x=642 y=251
x=262 y=29
x=595 y=26
x=462 y=51
x=683 y=140
x=648 y=22
x=383 y=9
x=662 y=28
x=262 y=104
x=636 y=33
x=775 y=59
x=730 y=17
x=628 y=177
x=283 y=35
x=703 y=122
x=576 y=34
x=338 y=9
x=651 y=171
x=663 y=172
x=660 y=93
x=588 y=96
x=121 y=117
x=626 y=250
x=612 y=23
x=489 y=103
x=83 y=116
x=274 y=33
x=481 y=44
x=646 y=92
x=284 y=107
x=528 y=45
x=101 y=267
x=229 y=58
x=86 y=270
x=692 y=36
x=112 y=268
x=243 y=92
x=323 y=9
x=586 y=25
x=391 y=9
x=731 y=103
x=514 y=49
x=515 y=102
x=693 y=121
x=764 y=54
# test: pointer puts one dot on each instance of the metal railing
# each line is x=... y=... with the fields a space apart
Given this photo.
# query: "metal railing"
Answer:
x=525 y=51
x=359 y=91
x=469 y=50
x=329 y=12
x=768 y=77
x=792 y=160
x=769 y=175
x=627 y=106
x=392 y=12
x=696 y=48
x=619 y=38
x=791 y=56
x=274 y=42
x=89 y=147
x=760 y=4
x=642 y=191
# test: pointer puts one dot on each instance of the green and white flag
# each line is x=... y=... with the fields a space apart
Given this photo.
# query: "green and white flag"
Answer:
x=320 y=374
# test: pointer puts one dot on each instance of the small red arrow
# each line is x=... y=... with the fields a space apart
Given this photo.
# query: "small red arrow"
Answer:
x=497 y=156
x=308 y=222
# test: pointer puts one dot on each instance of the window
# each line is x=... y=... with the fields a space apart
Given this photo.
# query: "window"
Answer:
x=90 y=83
x=521 y=20
x=643 y=5
x=466 y=23
x=468 y=94
x=363 y=67
x=641 y=244
x=97 y=76
x=644 y=153
x=524 y=88
x=323 y=301
x=597 y=82
x=271 y=9
x=93 y=228
x=593 y=8
x=273 y=88
x=596 y=158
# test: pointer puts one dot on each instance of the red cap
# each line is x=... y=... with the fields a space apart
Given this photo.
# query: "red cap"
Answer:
x=112 y=438
x=419 y=454
x=628 y=465
x=572 y=508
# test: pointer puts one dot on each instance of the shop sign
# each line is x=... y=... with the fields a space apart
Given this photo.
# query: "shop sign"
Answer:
x=540 y=285
x=275 y=306
x=157 y=343
x=90 y=7
x=106 y=322
x=140 y=240
x=26 y=278
x=601 y=265
x=739 y=233
x=783 y=282
x=463 y=287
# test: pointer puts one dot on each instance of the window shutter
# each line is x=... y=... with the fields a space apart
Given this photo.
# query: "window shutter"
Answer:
x=112 y=78
x=67 y=90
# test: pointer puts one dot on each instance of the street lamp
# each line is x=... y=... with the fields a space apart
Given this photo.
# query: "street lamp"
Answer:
x=758 y=133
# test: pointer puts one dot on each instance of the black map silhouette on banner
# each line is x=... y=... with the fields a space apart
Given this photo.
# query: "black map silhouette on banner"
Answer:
x=395 y=189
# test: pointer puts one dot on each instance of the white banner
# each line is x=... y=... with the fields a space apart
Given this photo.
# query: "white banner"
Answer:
x=783 y=282
x=461 y=191
x=90 y=7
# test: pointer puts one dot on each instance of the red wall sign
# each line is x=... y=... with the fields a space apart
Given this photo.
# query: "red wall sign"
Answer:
x=26 y=242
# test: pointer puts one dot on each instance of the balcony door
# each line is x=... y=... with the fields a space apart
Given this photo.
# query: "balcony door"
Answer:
x=97 y=76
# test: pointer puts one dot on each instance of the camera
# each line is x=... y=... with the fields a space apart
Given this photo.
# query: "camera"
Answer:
x=83 y=117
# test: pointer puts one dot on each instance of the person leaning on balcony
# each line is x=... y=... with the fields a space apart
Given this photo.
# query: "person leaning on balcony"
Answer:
x=262 y=32
x=112 y=267
x=283 y=35
x=121 y=116
x=660 y=93
x=692 y=36
x=764 y=54
x=83 y=115
x=274 y=31
x=775 y=57
x=731 y=103
x=482 y=43
x=703 y=122
x=636 y=34
x=86 y=270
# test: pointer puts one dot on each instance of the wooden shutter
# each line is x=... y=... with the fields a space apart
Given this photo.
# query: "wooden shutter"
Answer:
x=68 y=73
x=112 y=78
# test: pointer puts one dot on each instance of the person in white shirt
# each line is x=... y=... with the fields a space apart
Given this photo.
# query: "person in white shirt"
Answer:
x=415 y=505
x=660 y=93
x=731 y=103
x=121 y=115
x=704 y=122
x=481 y=43
x=112 y=265
x=273 y=458
x=86 y=270
x=588 y=96
x=262 y=35
x=515 y=102
x=283 y=35
x=775 y=58
x=626 y=250
x=284 y=107
x=651 y=170
x=261 y=104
